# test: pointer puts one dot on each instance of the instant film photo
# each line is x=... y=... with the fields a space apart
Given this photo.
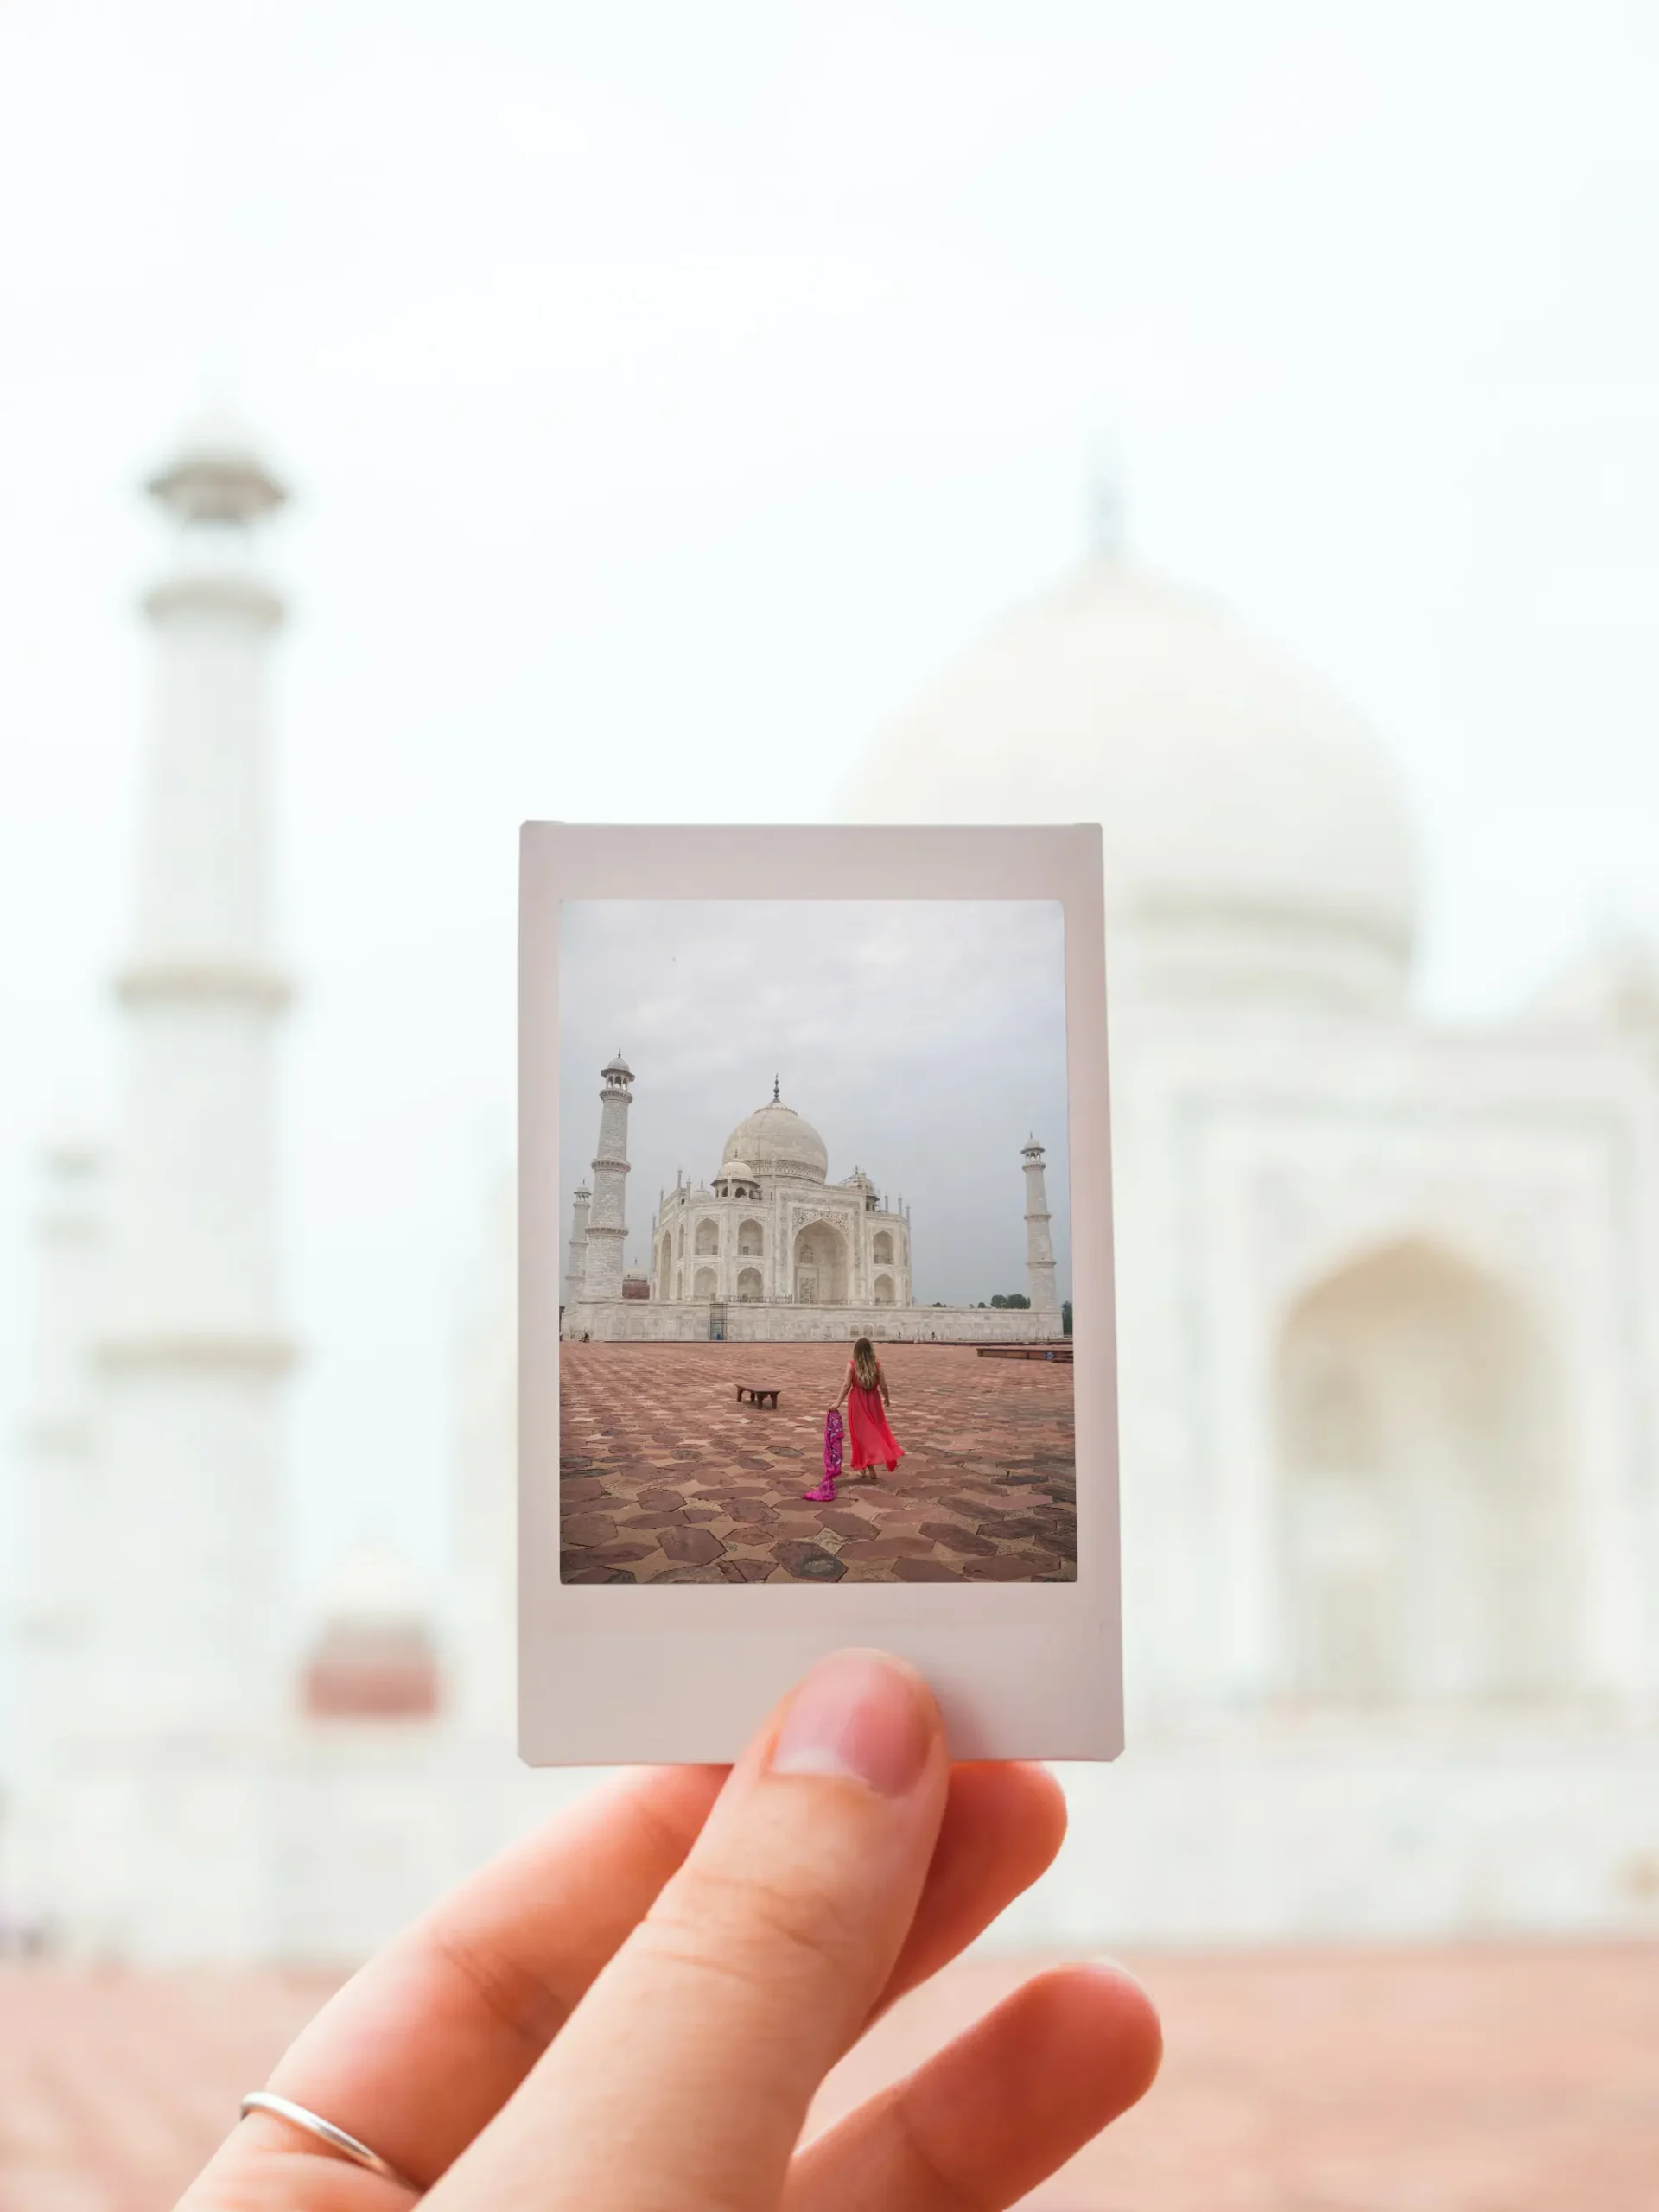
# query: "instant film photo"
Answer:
x=815 y=1341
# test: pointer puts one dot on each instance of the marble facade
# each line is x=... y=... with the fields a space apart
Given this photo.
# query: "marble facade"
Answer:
x=1389 y=1329
x=770 y=1251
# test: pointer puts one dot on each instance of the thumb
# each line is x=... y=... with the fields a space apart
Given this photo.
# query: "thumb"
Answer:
x=684 y=2076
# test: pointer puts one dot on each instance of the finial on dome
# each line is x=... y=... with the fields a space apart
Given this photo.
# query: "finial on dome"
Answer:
x=774 y=1090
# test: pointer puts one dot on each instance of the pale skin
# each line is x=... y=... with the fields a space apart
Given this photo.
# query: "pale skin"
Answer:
x=631 y=2011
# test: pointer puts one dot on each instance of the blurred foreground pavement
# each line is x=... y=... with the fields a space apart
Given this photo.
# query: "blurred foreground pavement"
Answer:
x=1505 y=2078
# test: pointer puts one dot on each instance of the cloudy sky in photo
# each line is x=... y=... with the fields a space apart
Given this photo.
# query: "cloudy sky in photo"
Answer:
x=924 y=1040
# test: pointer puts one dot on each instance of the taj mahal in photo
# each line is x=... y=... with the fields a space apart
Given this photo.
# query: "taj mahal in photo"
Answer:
x=770 y=1251
x=1388 y=1321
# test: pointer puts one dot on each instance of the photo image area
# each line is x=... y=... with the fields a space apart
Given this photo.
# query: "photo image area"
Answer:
x=787 y=1128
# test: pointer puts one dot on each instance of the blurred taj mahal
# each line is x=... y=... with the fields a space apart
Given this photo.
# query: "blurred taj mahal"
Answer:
x=1388 y=1334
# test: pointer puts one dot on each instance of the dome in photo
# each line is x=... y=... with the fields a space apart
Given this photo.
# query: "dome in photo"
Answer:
x=1255 y=832
x=775 y=1140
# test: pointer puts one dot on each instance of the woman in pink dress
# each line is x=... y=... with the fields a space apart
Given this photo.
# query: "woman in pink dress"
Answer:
x=866 y=1397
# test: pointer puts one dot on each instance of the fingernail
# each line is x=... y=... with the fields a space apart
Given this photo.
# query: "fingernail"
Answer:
x=862 y=1717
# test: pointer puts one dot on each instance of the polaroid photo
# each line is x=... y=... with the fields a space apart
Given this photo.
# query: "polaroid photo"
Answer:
x=816 y=1328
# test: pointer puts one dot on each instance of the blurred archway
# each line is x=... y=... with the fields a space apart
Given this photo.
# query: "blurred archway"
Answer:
x=1425 y=1548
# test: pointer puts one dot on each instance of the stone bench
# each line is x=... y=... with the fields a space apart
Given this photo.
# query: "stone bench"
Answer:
x=756 y=1395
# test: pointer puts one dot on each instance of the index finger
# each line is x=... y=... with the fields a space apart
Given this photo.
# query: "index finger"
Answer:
x=685 y=2076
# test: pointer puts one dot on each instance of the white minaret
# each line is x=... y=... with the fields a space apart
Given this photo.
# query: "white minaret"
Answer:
x=58 y=1515
x=576 y=1268
x=189 y=1662
x=1040 y=1244
x=607 y=1218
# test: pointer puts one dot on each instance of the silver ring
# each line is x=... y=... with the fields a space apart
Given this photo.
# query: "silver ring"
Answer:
x=326 y=2132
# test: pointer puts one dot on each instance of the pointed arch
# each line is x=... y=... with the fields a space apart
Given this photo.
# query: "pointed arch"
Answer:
x=1423 y=1521
x=820 y=1265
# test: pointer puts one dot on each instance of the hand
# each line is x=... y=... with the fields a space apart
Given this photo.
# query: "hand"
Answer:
x=634 y=2006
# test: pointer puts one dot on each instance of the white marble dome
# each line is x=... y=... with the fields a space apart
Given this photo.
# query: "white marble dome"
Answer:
x=1254 y=831
x=775 y=1140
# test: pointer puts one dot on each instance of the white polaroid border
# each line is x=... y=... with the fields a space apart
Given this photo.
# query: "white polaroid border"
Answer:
x=610 y=1673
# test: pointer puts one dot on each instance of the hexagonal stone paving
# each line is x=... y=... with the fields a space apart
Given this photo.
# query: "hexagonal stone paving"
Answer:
x=668 y=1480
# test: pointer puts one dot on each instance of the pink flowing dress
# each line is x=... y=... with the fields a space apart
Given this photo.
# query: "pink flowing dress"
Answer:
x=873 y=1439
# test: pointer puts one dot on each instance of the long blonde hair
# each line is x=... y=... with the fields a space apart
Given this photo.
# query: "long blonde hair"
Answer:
x=865 y=1372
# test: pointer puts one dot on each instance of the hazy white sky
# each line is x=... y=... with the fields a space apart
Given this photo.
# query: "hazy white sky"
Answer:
x=668 y=392
x=923 y=1041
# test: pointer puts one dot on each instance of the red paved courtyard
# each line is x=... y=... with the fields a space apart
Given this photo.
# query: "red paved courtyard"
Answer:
x=666 y=1477
x=1503 y=2079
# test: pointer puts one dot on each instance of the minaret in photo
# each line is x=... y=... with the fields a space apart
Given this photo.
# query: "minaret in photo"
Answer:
x=189 y=1662
x=576 y=1265
x=607 y=1218
x=1040 y=1244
